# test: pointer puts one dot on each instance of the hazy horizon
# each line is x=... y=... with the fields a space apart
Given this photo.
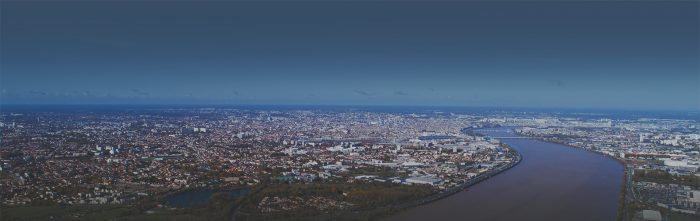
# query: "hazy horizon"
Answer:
x=626 y=55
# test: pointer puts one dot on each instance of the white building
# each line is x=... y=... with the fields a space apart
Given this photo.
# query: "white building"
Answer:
x=652 y=215
x=423 y=180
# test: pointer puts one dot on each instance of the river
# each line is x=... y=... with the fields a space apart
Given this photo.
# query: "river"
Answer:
x=552 y=182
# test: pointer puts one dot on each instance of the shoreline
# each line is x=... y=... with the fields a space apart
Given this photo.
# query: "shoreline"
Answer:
x=621 y=213
x=389 y=210
x=476 y=180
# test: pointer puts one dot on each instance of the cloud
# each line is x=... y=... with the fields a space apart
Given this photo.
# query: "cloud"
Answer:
x=363 y=93
x=140 y=92
x=234 y=95
x=400 y=93
x=75 y=93
x=38 y=93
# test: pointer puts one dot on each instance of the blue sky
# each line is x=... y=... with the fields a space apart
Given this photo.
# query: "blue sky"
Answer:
x=570 y=54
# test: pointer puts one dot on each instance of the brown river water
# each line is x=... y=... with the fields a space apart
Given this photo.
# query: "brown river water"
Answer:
x=552 y=182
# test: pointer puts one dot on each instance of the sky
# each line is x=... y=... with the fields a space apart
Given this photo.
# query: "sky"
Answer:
x=542 y=54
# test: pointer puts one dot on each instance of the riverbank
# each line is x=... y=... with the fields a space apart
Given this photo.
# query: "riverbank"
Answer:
x=552 y=182
x=471 y=182
x=462 y=187
x=385 y=211
x=622 y=212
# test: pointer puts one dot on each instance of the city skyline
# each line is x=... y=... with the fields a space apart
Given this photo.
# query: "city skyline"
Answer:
x=344 y=110
x=553 y=54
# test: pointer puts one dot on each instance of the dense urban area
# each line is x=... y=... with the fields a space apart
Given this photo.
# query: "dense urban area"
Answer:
x=273 y=164
x=660 y=155
x=291 y=162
